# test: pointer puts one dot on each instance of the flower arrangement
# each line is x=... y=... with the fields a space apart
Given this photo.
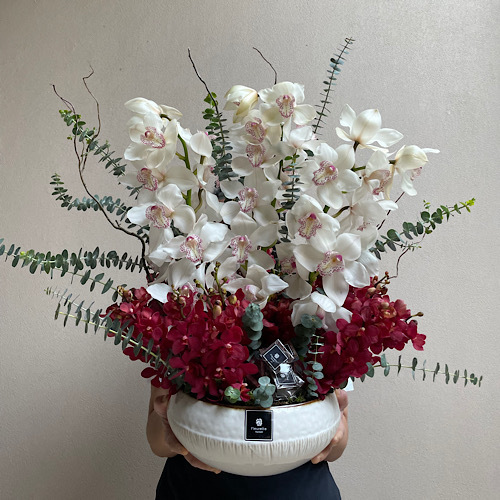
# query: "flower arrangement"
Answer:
x=261 y=244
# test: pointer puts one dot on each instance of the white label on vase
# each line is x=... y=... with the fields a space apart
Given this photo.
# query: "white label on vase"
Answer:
x=258 y=425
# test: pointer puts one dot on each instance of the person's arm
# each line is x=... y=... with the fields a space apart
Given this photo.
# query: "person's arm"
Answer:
x=161 y=439
x=339 y=442
x=157 y=428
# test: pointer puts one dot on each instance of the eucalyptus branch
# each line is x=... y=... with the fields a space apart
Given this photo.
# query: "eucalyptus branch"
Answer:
x=82 y=160
x=454 y=376
x=122 y=333
x=426 y=224
x=272 y=67
x=335 y=63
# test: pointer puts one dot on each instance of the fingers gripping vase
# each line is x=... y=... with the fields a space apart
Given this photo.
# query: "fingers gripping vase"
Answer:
x=253 y=442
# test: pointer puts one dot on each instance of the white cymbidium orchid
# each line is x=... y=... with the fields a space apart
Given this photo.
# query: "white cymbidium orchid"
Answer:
x=307 y=220
x=153 y=140
x=329 y=174
x=364 y=128
x=248 y=237
x=282 y=104
x=408 y=164
x=205 y=242
x=242 y=99
x=254 y=197
x=254 y=129
x=298 y=288
x=312 y=305
x=263 y=155
x=199 y=143
x=257 y=285
x=154 y=179
x=141 y=106
x=336 y=262
x=377 y=174
x=159 y=211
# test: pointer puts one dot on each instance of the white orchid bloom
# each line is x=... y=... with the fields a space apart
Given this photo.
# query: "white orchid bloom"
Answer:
x=298 y=288
x=142 y=107
x=329 y=173
x=311 y=305
x=376 y=175
x=263 y=155
x=168 y=206
x=336 y=262
x=257 y=285
x=242 y=99
x=254 y=197
x=248 y=237
x=408 y=164
x=158 y=212
x=205 y=242
x=307 y=220
x=152 y=140
x=282 y=103
x=254 y=129
x=364 y=128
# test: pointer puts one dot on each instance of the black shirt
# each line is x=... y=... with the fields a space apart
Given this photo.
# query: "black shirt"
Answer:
x=181 y=481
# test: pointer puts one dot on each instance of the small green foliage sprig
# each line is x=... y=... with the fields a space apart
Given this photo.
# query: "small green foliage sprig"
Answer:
x=304 y=332
x=68 y=202
x=122 y=334
x=253 y=325
x=454 y=376
x=88 y=135
x=263 y=395
x=425 y=225
x=335 y=68
x=74 y=264
x=220 y=144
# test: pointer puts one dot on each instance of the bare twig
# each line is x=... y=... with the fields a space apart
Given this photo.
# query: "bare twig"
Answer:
x=388 y=212
x=214 y=101
x=272 y=67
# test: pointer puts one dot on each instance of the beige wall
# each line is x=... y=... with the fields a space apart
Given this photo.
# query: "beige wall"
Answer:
x=73 y=410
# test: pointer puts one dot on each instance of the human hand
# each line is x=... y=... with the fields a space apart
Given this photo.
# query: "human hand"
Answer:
x=160 y=407
x=337 y=445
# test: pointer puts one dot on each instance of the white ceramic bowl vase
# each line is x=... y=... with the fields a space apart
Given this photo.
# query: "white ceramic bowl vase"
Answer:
x=215 y=434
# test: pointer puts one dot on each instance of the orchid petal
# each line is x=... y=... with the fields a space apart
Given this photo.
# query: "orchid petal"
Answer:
x=336 y=287
x=324 y=302
x=159 y=291
x=356 y=274
x=366 y=125
x=347 y=116
x=386 y=137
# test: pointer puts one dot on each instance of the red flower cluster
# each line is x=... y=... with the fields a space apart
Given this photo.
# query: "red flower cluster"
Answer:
x=377 y=324
x=201 y=338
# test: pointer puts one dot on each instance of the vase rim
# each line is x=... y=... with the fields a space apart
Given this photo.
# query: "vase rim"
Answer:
x=253 y=407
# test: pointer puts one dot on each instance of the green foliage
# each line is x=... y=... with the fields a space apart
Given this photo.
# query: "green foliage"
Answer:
x=231 y=394
x=304 y=333
x=220 y=144
x=73 y=264
x=85 y=204
x=263 y=395
x=425 y=225
x=87 y=136
x=292 y=191
x=253 y=325
x=335 y=67
x=123 y=334
x=455 y=377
